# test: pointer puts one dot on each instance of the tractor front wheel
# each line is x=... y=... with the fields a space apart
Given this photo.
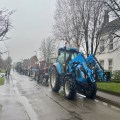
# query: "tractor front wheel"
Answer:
x=90 y=91
x=69 y=88
x=55 y=80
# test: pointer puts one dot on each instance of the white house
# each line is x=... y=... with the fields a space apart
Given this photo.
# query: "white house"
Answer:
x=108 y=52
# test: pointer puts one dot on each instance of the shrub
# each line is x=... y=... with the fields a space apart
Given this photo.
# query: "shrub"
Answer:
x=116 y=76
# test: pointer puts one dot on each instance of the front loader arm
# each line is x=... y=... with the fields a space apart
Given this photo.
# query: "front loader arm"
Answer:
x=80 y=59
x=93 y=62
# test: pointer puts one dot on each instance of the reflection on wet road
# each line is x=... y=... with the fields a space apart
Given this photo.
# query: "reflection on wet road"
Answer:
x=40 y=103
x=10 y=108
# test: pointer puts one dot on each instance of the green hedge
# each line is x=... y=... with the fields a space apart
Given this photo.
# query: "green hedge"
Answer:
x=116 y=76
x=2 y=71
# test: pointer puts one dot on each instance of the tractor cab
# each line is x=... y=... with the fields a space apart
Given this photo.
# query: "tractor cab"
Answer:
x=65 y=55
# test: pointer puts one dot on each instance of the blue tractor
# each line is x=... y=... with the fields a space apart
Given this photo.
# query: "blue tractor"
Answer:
x=75 y=73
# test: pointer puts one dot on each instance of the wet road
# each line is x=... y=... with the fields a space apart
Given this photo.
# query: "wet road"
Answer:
x=40 y=103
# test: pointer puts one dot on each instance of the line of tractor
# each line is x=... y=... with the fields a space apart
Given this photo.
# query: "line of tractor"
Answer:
x=71 y=69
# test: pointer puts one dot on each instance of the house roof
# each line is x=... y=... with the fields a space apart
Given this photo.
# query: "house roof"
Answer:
x=112 y=26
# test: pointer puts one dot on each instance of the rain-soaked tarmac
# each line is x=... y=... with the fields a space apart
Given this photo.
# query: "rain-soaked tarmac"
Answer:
x=21 y=98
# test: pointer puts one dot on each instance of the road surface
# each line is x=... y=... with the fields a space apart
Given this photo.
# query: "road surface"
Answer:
x=26 y=100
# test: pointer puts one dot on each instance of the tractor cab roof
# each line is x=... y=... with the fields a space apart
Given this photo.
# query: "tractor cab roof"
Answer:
x=68 y=49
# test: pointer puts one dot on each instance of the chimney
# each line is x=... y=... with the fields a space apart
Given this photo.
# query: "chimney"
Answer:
x=106 y=17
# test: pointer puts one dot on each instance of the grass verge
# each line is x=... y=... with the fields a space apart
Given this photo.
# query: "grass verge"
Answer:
x=1 y=81
x=109 y=87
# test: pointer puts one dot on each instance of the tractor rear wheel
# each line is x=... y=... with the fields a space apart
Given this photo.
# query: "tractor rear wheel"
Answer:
x=69 y=88
x=29 y=73
x=90 y=91
x=37 y=78
x=55 y=80
x=34 y=75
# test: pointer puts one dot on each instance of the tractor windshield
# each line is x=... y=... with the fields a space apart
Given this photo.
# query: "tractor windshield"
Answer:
x=70 y=56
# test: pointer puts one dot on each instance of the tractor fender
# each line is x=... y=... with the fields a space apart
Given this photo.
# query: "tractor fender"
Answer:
x=58 y=68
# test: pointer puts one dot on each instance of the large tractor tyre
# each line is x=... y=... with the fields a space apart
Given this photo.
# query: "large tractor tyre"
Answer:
x=29 y=73
x=40 y=79
x=69 y=88
x=90 y=91
x=45 y=81
x=34 y=75
x=37 y=78
x=55 y=80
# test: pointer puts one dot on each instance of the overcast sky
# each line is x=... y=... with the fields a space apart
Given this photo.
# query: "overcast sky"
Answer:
x=32 y=22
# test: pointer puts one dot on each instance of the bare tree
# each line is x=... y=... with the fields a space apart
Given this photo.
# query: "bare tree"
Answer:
x=5 y=63
x=5 y=23
x=47 y=49
x=80 y=22
x=75 y=23
x=92 y=14
x=1 y=62
x=5 y=26
x=67 y=22
x=83 y=22
x=114 y=6
x=62 y=23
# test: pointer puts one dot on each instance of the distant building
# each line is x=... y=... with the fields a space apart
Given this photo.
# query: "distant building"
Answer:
x=25 y=63
x=33 y=61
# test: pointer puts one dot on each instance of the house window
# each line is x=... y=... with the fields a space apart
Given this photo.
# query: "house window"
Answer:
x=110 y=64
x=102 y=47
x=102 y=63
x=111 y=43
